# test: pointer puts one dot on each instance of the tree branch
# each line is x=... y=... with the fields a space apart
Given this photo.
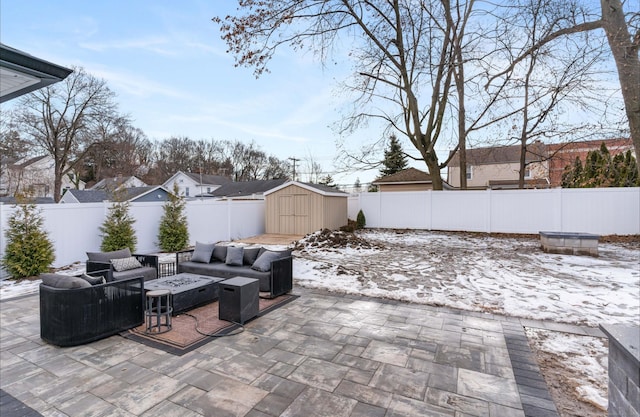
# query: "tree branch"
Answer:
x=583 y=27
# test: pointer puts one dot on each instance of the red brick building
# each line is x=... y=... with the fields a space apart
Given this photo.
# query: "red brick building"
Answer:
x=563 y=154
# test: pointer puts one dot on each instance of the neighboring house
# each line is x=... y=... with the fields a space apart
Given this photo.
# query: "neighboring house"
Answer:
x=34 y=176
x=133 y=194
x=498 y=167
x=563 y=154
x=410 y=179
x=4 y=176
x=245 y=189
x=191 y=184
x=119 y=182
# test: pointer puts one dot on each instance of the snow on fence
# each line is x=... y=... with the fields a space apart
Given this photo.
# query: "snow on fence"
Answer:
x=74 y=228
x=602 y=211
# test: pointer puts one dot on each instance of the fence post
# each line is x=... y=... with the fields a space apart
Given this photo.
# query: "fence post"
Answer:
x=489 y=210
x=229 y=201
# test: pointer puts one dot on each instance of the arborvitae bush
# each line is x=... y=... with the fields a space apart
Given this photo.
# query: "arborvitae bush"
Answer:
x=29 y=251
x=360 y=220
x=174 y=231
x=117 y=229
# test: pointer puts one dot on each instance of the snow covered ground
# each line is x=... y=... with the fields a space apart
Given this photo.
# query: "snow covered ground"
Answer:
x=509 y=276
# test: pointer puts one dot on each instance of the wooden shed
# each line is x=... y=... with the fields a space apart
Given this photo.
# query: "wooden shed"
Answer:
x=296 y=208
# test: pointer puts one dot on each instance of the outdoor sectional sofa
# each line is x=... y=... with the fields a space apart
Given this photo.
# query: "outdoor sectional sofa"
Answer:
x=274 y=269
x=122 y=264
x=76 y=310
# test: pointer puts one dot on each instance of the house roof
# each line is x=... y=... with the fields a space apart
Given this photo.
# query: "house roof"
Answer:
x=21 y=73
x=96 y=196
x=26 y=162
x=316 y=188
x=208 y=179
x=246 y=188
x=536 y=151
x=37 y=200
x=513 y=184
x=112 y=183
x=406 y=176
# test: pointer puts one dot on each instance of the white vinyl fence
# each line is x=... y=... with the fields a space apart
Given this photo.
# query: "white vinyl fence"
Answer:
x=74 y=228
x=602 y=211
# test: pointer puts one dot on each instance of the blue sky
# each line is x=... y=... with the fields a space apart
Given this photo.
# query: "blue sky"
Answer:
x=168 y=66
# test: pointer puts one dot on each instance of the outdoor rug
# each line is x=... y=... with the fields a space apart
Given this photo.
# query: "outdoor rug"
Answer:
x=197 y=327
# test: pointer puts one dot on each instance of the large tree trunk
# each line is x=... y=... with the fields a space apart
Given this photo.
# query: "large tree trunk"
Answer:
x=625 y=53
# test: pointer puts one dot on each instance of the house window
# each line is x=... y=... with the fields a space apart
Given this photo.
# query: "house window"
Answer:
x=469 y=172
x=208 y=189
x=527 y=172
x=186 y=191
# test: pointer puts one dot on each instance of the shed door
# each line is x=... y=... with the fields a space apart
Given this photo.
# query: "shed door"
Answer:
x=294 y=214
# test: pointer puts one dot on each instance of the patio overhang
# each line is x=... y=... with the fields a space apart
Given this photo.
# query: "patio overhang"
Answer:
x=21 y=73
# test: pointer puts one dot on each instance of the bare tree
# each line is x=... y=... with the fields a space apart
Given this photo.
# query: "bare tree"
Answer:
x=61 y=119
x=550 y=80
x=404 y=52
x=620 y=22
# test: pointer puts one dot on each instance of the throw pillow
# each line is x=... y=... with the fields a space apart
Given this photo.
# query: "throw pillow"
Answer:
x=250 y=255
x=234 y=255
x=220 y=253
x=93 y=280
x=202 y=252
x=263 y=263
x=63 y=281
x=124 y=264
x=107 y=256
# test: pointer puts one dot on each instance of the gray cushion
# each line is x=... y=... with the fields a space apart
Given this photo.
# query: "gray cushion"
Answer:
x=250 y=255
x=202 y=252
x=220 y=253
x=107 y=256
x=63 y=281
x=147 y=272
x=263 y=263
x=93 y=280
x=234 y=255
x=125 y=264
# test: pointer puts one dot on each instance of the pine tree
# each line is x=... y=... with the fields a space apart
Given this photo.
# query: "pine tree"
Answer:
x=327 y=180
x=601 y=170
x=174 y=231
x=29 y=251
x=117 y=229
x=394 y=158
x=357 y=187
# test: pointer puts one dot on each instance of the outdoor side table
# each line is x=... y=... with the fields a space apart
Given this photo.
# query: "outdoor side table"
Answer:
x=239 y=299
x=158 y=311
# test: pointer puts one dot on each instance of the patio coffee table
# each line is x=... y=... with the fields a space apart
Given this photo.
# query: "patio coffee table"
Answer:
x=187 y=290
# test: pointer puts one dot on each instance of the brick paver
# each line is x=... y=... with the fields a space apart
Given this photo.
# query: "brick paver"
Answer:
x=323 y=354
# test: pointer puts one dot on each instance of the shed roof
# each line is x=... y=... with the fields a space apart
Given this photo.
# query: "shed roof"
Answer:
x=316 y=188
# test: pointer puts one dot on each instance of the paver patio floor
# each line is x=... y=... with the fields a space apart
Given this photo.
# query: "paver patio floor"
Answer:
x=322 y=355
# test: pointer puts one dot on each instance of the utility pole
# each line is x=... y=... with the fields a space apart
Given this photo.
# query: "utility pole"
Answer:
x=294 y=167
